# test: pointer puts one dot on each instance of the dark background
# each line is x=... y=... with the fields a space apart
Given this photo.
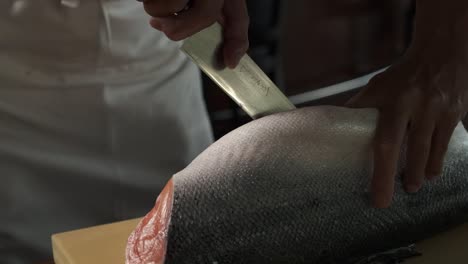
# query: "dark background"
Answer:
x=304 y=45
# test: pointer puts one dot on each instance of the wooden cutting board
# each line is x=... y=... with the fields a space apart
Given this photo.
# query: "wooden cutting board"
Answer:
x=105 y=244
x=95 y=245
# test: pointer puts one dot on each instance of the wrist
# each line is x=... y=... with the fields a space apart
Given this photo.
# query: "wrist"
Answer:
x=440 y=29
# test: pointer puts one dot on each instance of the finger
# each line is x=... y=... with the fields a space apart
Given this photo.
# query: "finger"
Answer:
x=187 y=23
x=236 y=29
x=362 y=100
x=157 y=23
x=391 y=129
x=440 y=141
x=419 y=147
x=177 y=28
x=163 y=8
x=368 y=95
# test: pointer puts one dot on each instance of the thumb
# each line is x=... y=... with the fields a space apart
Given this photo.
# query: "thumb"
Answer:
x=236 y=31
x=360 y=100
x=367 y=97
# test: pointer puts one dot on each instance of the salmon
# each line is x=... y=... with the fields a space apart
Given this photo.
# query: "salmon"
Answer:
x=294 y=188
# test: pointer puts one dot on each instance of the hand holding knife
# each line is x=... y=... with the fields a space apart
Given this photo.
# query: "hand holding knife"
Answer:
x=180 y=19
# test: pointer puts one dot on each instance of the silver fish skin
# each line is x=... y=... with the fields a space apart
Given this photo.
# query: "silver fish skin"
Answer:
x=294 y=188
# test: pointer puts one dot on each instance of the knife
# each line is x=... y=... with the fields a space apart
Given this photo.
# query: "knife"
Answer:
x=247 y=84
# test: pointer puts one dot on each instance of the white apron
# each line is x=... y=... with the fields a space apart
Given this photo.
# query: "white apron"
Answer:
x=97 y=111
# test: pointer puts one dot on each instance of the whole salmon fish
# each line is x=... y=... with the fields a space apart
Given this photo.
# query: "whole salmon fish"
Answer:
x=294 y=188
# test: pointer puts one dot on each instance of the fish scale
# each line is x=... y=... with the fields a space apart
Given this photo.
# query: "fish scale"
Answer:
x=293 y=187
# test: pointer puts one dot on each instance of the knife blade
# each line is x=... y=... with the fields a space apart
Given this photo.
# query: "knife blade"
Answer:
x=247 y=84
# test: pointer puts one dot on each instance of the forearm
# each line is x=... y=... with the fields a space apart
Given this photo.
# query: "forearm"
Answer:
x=441 y=25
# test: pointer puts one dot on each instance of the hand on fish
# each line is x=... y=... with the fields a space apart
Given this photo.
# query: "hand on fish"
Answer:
x=421 y=99
x=194 y=16
x=282 y=189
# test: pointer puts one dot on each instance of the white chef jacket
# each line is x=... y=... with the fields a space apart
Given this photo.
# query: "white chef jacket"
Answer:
x=97 y=111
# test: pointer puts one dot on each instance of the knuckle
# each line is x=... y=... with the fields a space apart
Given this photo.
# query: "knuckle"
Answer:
x=419 y=147
x=385 y=146
x=401 y=108
x=394 y=110
x=455 y=108
x=405 y=100
x=436 y=99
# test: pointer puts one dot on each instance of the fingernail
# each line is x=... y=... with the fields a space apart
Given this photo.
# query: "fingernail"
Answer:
x=413 y=188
